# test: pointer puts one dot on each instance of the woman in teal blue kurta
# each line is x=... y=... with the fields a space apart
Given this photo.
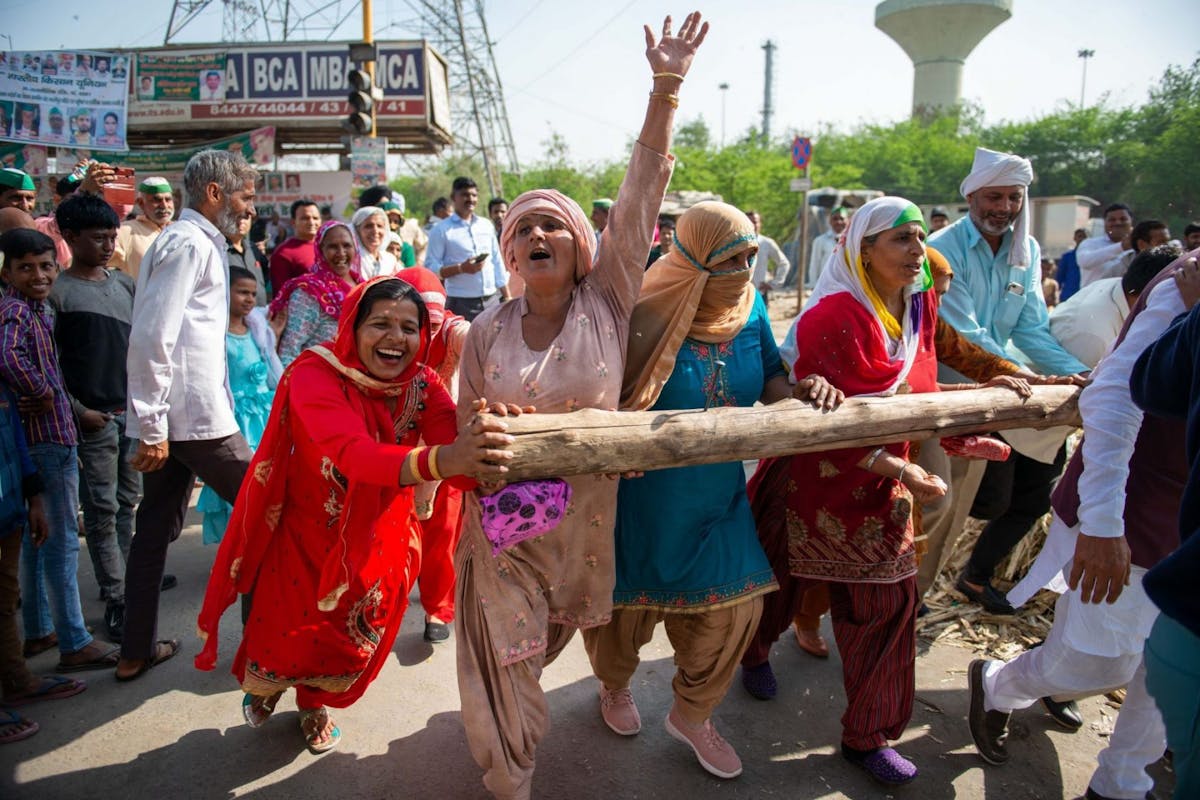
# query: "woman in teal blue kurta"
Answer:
x=687 y=553
x=685 y=537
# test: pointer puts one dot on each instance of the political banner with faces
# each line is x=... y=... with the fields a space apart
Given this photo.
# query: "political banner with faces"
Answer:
x=76 y=98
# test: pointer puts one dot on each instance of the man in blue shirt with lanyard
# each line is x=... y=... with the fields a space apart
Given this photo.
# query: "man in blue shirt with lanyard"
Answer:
x=464 y=253
x=996 y=301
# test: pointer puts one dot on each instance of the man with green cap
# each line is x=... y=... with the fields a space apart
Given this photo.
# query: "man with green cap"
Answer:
x=56 y=130
x=157 y=207
x=17 y=190
x=600 y=209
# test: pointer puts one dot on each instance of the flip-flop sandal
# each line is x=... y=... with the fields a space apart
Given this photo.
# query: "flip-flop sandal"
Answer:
x=315 y=747
x=34 y=647
x=106 y=660
x=14 y=727
x=257 y=714
x=52 y=687
x=148 y=664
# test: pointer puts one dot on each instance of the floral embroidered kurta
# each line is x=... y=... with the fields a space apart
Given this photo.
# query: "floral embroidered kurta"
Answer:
x=685 y=536
x=565 y=576
x=307 y=325
x=844 y=523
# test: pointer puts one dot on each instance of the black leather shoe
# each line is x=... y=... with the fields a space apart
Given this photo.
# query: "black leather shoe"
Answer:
x=1065 y=714
x=169 y=582
x=114 y=621
x=989 y=729
x=436 y=632
x=991 y=599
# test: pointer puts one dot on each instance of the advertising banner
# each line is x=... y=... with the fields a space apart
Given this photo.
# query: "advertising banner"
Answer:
x=258 y=146
x=285 y=83
x=184 y=77
x=29 y=158
x=72 y=98
x=279 y=190
x=368 y=161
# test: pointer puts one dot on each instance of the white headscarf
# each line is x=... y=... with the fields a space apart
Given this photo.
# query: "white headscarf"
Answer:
x=1004 y=169
x=841 y=275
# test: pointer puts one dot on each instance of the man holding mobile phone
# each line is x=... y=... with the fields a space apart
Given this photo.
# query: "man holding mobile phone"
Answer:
x=465 y=254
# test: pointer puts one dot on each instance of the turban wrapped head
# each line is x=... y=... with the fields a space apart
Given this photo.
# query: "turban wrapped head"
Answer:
x=1004 y=169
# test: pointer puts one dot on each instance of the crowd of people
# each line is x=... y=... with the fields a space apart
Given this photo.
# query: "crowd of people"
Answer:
x=327 y=380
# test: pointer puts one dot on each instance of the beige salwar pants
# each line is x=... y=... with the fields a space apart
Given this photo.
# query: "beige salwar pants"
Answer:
x=943 y=519
x=708 y=648
x=504 y=709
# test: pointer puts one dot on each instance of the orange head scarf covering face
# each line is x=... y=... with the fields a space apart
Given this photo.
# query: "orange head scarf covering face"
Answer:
x=560 y=207
x=683 y=297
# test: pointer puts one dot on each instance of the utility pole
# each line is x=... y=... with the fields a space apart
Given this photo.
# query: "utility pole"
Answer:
x=768 y=79
x=369 y=38
x=1085 y=55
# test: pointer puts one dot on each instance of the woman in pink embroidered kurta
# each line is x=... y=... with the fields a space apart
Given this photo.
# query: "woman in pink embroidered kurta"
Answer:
x=558 y=348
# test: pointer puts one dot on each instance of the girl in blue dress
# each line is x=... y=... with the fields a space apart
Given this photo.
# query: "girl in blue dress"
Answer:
x=254 y=372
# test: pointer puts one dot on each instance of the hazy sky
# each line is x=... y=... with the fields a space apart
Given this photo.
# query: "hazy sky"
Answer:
x=578 y=68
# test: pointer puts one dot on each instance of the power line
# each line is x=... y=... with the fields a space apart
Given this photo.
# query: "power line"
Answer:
x=547 y=70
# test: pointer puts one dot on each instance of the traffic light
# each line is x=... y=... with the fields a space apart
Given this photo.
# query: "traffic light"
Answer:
x=362 y=97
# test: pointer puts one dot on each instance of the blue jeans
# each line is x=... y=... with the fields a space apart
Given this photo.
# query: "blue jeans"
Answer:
x=109 y=490
x=50 y=589
x=1173 y=680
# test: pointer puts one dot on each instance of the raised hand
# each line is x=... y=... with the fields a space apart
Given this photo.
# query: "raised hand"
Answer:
x=674 y=53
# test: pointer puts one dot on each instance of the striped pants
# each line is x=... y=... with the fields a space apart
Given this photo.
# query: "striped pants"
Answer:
x=873 y=624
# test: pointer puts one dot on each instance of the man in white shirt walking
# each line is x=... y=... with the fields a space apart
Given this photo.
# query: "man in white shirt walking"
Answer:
x=770 y=265
x=464 y=253
x=822 y=246
x=1088 y=324
x=180 y=408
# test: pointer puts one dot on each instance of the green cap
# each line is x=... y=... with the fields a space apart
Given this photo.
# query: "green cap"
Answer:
x=16 y=179
x=154 y=185
x=391 y=205
x=603 y=202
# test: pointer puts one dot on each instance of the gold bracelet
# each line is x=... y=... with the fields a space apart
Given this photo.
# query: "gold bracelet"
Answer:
x=672 y=99
x=433 y=462
x=674 y=75
x=410 y=461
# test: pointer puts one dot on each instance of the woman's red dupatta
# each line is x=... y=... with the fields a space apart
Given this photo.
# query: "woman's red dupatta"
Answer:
x=260 y=503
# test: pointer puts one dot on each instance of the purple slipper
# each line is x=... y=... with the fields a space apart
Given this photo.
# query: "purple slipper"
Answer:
x=884 y=764
x=760 y=681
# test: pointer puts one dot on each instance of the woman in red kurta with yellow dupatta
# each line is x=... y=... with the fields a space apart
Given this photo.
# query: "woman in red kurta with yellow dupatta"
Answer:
x=844 y=517
x=323 y=532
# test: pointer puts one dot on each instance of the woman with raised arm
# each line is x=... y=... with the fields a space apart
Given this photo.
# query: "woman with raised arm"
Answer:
x=558 y=348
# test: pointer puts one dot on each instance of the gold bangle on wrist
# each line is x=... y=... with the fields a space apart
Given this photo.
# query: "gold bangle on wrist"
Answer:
x=433 y=462
x=672 y=99
x=674 y=75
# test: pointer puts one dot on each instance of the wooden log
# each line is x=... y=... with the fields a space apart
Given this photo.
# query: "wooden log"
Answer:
x=592 y=441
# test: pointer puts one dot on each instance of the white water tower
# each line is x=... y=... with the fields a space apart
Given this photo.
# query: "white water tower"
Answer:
x=938 y=35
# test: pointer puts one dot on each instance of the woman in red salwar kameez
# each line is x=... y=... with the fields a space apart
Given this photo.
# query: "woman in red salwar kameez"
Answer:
x=324 y=533
x=844 y=517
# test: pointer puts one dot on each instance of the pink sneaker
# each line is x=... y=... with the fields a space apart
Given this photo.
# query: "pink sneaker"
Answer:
x=712 y=751
x=619 y=711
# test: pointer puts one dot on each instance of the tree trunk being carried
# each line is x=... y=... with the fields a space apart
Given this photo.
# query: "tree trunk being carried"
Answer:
x=593 y=441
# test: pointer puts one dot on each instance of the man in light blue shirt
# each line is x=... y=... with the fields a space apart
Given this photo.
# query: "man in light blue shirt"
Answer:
x=465 y=254
x=996 y=301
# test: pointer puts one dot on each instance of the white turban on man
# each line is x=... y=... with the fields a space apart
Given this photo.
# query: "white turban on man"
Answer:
x=1004 y=169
